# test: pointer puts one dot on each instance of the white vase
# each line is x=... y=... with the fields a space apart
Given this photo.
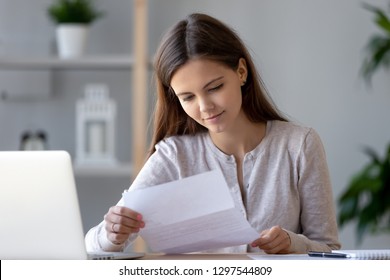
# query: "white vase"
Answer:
x=71 y=40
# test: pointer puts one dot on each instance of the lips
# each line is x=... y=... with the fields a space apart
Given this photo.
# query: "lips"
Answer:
x=213 y=117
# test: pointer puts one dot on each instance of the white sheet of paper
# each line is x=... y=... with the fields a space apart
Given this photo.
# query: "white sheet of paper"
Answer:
x=193 y=214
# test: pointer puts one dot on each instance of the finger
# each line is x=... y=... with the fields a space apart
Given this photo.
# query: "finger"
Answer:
x=124 y=216
x=124 y=227
x=118 y=233
x=122 y=220
x=280 y=244
x=266 y=242
x=280 y=248
x=266 y=236
x=123 y=223
x=273 y=240
x=127 y=212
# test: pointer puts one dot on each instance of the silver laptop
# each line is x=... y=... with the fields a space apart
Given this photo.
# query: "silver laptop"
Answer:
x=39 y=209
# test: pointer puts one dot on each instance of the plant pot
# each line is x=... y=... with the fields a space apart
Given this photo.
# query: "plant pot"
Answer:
x=71 y=40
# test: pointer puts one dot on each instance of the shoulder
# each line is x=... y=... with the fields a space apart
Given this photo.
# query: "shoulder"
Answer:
x=293 y=135
x=282 y=128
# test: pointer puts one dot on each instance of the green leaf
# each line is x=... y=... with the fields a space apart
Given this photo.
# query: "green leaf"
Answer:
x=73 y=11
x=348 y=210
x=378 y=50
x=381 y=19
x=367 y=197
x=372 y=154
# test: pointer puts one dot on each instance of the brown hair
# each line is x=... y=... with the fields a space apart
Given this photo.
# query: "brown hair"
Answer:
x=202 y=36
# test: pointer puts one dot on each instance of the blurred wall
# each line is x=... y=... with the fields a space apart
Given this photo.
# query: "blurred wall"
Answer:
x=308 y=53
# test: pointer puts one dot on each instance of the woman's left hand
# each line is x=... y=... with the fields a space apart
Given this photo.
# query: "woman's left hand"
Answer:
x=273 y=241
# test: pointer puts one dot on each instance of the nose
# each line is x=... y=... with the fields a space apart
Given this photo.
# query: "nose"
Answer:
x=205 y=104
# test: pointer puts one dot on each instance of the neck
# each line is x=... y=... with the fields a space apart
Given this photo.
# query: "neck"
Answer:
x=241 y=139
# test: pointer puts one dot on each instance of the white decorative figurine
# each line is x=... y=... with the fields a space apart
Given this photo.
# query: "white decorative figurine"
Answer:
x=95 y=135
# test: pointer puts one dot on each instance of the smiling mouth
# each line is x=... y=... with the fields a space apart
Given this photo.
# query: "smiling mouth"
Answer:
x=213 y=117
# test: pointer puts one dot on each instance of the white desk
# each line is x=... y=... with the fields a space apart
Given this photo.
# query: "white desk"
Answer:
x=244 y=256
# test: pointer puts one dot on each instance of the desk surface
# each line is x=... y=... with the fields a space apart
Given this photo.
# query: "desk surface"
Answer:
x=369 y=254
x=196 y=257
x=244 y=256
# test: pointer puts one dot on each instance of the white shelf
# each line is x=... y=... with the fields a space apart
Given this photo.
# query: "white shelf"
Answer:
x=120 y=62
x=123 y=169
x=139 y=64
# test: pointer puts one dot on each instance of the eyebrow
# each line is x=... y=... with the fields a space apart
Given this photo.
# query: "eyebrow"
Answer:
x=205 y=86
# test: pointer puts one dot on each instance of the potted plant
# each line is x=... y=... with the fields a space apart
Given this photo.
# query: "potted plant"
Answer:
x=73 y=19
x=367 y=197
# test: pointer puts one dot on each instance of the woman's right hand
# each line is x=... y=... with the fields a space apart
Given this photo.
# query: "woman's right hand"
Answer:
x=121 y=222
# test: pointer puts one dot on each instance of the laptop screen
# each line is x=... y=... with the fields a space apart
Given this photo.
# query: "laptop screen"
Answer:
x=39 y=209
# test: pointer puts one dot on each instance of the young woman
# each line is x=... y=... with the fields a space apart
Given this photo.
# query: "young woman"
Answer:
x=213 y=112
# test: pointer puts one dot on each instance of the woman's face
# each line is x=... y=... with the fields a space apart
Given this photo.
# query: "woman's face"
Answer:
x=210 y=92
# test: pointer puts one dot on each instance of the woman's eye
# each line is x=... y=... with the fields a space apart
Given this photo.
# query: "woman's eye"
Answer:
x=187 y=98
x=216 y=88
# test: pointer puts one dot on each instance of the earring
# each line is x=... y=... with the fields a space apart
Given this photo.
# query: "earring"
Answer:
x=243 y=83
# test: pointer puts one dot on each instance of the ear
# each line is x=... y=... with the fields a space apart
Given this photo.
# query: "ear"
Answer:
x=242 y=71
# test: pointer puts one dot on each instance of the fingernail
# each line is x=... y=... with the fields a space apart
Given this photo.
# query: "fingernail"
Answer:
x=139 y=217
